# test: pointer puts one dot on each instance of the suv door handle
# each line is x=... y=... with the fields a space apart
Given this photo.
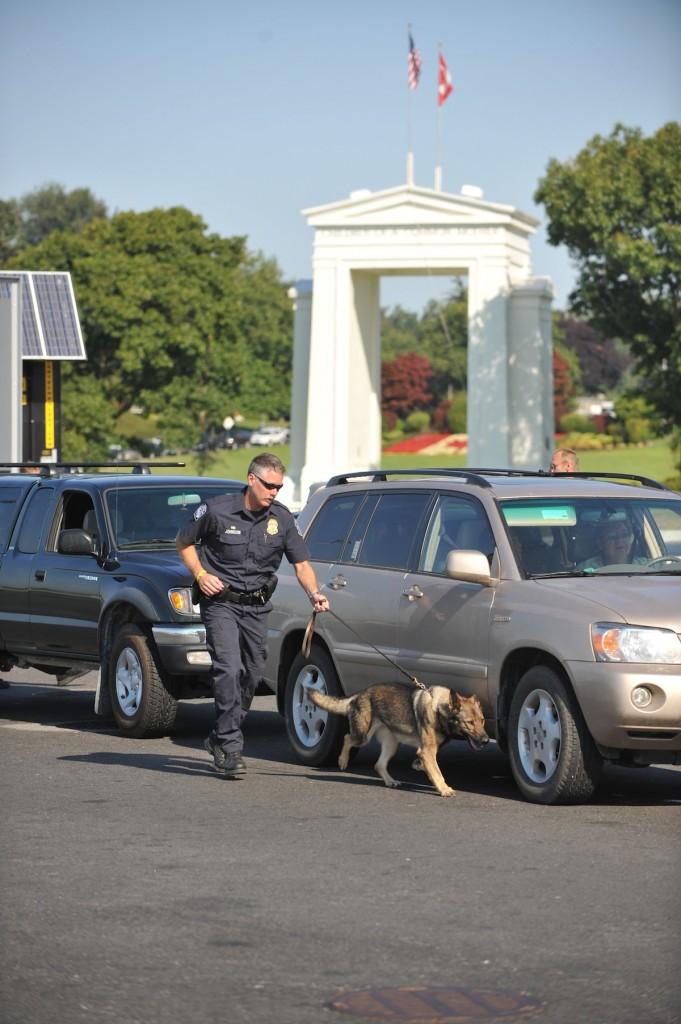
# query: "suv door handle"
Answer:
x=39 y=574
x=338 y=582
x=412 y=593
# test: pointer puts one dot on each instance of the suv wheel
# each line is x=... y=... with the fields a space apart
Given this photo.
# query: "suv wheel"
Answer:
x=553 y=758
x=141 y=704
x=315 y=735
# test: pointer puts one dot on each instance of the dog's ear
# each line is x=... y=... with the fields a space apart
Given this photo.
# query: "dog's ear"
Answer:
x=455 y=699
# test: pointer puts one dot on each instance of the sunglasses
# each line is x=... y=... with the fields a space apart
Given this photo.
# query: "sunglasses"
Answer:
x=270 y=487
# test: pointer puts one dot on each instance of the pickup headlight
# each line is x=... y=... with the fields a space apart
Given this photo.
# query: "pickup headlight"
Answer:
x=613 y=641
x=181 y=600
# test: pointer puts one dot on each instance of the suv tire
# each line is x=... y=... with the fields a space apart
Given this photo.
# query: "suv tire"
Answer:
x=553 y=757
x=141 y=704
x=315 y=735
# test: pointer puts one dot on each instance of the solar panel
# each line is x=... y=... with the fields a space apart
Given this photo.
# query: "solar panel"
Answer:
x=49 y=319
x=58 y=316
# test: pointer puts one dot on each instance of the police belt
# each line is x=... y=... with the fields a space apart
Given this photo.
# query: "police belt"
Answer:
x=259 y=596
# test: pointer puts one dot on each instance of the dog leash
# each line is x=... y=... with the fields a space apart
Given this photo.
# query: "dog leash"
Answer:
x=309 y=632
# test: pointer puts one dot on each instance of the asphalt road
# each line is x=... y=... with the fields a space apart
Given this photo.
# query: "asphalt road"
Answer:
x=137 y=886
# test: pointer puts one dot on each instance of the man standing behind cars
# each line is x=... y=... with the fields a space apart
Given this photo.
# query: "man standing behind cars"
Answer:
x=243 y=538
x=564 y=460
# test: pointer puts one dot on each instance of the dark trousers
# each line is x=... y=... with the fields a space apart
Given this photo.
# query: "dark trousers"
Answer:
x=235 y=637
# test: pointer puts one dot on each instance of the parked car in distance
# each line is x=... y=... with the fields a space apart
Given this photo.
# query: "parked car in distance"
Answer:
x=555 y=599
x=267 y=436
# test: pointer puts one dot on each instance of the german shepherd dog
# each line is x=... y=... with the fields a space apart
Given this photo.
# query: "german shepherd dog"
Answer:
x=395 y=713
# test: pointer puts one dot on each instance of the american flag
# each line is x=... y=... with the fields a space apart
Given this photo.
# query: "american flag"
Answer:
x=413 y=64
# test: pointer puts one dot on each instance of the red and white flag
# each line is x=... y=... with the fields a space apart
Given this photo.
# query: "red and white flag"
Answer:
x=444 y=82
x=413 y=64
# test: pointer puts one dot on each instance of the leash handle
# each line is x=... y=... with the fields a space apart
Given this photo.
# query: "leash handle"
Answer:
x=307 y=646
x=307 y=639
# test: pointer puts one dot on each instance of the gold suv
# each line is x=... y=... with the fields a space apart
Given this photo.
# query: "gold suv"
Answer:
x=555 y=599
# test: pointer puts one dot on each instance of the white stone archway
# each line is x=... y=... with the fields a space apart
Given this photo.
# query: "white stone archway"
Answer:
x=336 y=417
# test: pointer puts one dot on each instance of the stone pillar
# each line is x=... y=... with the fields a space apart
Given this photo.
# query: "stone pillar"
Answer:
x=530 y=376
x=487 y=416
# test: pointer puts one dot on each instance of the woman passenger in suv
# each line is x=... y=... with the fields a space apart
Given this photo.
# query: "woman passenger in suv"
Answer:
x=615 y=539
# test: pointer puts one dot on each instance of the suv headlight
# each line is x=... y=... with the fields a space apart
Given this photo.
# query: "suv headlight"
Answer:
x=613 y=641
x=181 y=600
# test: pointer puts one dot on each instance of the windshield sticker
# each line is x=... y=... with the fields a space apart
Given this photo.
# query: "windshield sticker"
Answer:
x=540 y=515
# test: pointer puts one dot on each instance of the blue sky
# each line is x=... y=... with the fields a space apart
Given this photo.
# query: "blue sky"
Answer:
x=247 y=113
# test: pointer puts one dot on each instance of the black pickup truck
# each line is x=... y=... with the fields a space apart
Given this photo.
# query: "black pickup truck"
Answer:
x=90 y=578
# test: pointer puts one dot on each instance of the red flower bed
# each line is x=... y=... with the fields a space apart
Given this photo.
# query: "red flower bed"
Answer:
x=415 y=444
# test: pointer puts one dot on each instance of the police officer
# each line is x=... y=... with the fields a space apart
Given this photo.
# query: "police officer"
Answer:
x=243 y=539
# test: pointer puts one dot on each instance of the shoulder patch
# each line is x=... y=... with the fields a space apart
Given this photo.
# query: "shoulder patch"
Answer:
x=201 y=511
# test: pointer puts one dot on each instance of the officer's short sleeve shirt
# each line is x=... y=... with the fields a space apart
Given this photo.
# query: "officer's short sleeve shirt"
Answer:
x=243 y=548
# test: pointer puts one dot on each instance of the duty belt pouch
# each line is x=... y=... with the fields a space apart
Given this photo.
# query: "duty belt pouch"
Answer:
x=269 y=588
x=196 y=592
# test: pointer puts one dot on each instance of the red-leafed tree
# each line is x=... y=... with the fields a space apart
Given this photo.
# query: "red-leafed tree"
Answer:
x=404 y=384
x=563 y=386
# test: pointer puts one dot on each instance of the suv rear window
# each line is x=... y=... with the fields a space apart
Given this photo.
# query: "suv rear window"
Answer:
x=327 y=534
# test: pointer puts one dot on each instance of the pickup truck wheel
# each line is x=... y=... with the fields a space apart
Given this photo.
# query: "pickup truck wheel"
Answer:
x=553 y=757
x=316 y=736
x=141 y=704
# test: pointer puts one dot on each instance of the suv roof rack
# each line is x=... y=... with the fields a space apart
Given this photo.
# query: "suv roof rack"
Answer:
x=47 y=469
x=478 y=476
x=381 y=475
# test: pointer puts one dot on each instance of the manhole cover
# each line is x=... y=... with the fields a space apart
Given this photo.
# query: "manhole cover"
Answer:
x=435 y=1005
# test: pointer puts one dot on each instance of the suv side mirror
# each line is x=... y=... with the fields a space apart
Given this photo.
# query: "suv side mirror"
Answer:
x=470 y=567
x=75 y=542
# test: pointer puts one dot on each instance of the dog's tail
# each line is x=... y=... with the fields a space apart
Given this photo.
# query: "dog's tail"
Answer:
x=333 y=704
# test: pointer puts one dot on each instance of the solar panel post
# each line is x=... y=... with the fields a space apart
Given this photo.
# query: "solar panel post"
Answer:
x=10 y=360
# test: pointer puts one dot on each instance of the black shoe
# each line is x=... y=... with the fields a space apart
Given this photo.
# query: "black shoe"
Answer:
x=234 y=766
x=215 y=750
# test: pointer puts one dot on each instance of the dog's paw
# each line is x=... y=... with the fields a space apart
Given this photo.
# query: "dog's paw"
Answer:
x=447 y=791
x=392 y=783
x=343 y=763
x=417 y=764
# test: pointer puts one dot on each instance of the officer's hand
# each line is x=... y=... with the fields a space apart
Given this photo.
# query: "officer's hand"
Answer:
x=210 y=585
x=320 y=602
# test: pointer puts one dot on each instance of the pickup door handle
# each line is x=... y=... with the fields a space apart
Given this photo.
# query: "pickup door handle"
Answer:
x=39 y=574
x=338 y=582
x=412 y=593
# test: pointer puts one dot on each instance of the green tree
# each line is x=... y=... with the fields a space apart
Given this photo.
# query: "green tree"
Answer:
x=176 y=320
x=617 y=207
x=30 y=219
x=10 y=227
x=440 y=334
x=87 y=415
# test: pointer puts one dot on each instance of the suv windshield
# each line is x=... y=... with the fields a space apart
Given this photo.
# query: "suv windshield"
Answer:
x=587 y=535
x=149 y=517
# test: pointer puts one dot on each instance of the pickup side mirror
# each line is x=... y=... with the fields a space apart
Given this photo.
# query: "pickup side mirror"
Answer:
x=470 y=567
x=75 y=542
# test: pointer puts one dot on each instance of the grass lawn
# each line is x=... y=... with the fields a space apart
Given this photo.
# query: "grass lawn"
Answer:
x=655 y=460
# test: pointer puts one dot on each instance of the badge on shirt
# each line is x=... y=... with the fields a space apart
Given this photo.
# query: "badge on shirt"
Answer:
x=272 y=527
x=201 y=511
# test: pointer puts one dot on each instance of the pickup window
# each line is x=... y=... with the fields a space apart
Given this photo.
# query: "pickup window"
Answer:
x=31 y=529
x=148 y=518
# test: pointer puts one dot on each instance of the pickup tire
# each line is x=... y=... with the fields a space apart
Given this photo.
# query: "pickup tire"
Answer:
x=553 y=757
x=141 y=704
x=315 y=735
